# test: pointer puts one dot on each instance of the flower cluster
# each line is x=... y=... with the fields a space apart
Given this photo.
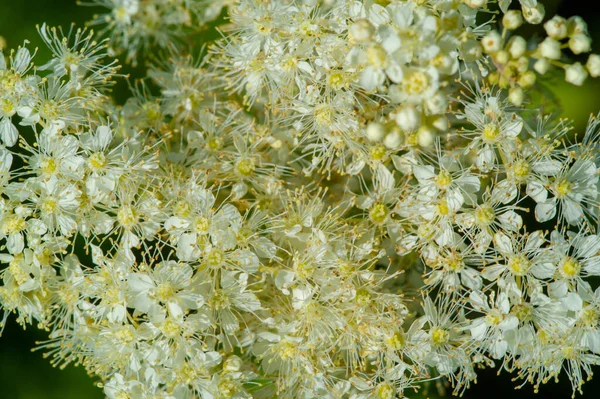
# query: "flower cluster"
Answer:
x=338 y=199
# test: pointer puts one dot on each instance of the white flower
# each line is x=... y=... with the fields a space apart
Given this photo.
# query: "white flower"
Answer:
x=575 y=192
x=491 y=328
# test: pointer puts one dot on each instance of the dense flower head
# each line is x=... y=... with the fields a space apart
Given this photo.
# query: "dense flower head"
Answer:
x=337 y=199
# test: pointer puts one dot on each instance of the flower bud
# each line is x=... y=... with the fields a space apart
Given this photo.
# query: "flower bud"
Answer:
x=408 y=118
x=375 y=131
x=502 y=57
x=492 y=42
x=476 y=3
x=541 y=66
x=534 y=15
x=527 y=79
x=471 y=50
x=436 y=104
x=393 y=140
x=512 y=19
x=580 y=43
x=593 y=65
x=426 y=136
x=575 y=74
x=516 y=95
x=361 y=31
x=440 y=123
x=550 y=49
x=517 y=46
x=232 y=364
x=556 y=27
x=576 y=25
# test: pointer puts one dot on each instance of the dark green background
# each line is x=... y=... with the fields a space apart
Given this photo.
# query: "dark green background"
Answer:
x=26 y=375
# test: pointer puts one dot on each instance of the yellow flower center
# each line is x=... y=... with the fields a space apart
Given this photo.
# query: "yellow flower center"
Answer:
x=440 y=336
x=519 y=265
x=442 y=207
x=454 y=263
x=304 y=269
x=385 y=391
x=287 y=350
x=494 y=317
x=13 y=224
x=182 y=209
x=124 y=335
x=215 y=143
x=165 y=291
x=491 y=132
x=170 y=329
x=589 y=318
x=521 y=169
x=569 y=268
x=49 y=206
x=377 y=57
x=127 y=217
x=17 y=272
x=569 y=352
x=379 y=213
x=337 y=80
x=245 y=166
x=563 y=188
x=484 y=215
x=49 y=110
x=214 y=258
x=522 y=312
x=416 y=82
x=324 y=115
x=378 y=152
x=443 y=179
x=201 y=225
x=363 y=297
x=220 y=301
x=97 y=161
x=48 y=165
x=396 y=341
x=7 y=106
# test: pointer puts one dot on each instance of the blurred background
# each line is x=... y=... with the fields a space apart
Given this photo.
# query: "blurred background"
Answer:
x=27 y=375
